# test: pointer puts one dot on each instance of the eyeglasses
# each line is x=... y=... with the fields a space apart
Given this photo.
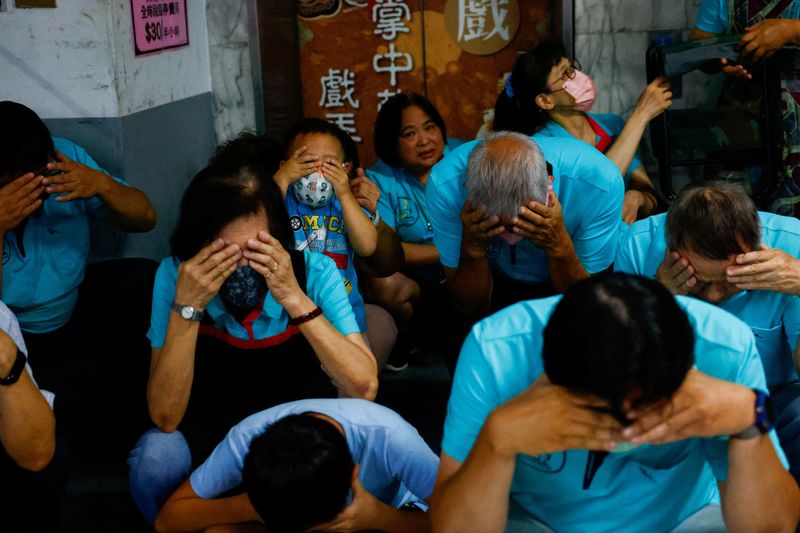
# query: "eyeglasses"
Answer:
x=569 y=74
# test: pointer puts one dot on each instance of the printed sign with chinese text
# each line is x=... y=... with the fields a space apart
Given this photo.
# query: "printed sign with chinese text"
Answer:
x=159 y=25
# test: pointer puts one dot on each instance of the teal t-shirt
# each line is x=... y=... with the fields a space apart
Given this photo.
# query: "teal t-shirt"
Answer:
x=42 y=271
x=651 y=488
x=610 y=123
x=714 y=15
x=402 y=203
x=587 y=184
x=773 y=317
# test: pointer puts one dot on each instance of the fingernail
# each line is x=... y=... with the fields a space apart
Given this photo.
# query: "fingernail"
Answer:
x=521 y=210
x=628 y=433
x=514 y=220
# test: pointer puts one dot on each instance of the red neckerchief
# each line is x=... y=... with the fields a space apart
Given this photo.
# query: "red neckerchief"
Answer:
x=605 y=138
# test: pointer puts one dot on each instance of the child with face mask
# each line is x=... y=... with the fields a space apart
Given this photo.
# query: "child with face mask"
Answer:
x=323 y=213
x=550 y=96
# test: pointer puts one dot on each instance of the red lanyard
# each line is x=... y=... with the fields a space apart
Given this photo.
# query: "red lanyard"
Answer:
x=605 y=138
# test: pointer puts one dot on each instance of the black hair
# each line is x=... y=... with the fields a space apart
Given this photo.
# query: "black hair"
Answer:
x=310 y=125
x=614 y=334
x=25 y=142
x=221 y=193
x=389 y=123
x=298 y=473
x=521 y=113
x=258 y=151
x=714 y=220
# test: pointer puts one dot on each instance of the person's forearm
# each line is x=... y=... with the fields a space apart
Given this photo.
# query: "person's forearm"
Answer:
x=351 y=367
x=27 y=424
x=171 y=374
x=361 y=231
x=475 y=498
x=393 y=520
x=388 y=256
x=624 y=148
x=471 y=284
x=129 y=208
x=760 y=495
x=197 y=514
x=565 y=267
x=420 y=254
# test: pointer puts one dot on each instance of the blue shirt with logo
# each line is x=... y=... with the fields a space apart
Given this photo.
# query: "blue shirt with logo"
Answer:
x=323 y=231
x=323 y=286
x=43 y=265
x=587 y=183
x=395 y=464
x=714 y=16
x=651 y=488
x=773 y=317
x=610 y=123
x=402 y=204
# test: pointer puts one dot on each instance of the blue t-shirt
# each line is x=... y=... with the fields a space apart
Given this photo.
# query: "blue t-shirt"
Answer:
x=322 y=230
x=323 y=286
x=41 y=276
x=402 y=203
x=610 y=123
x=651 y=488
x=714 y=15
x=587 y=183
x=774 y=317
x=395 y=464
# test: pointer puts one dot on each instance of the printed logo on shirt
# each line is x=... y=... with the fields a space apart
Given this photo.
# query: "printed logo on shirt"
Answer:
x=295 y=223
x=51 y=230
x=406 y=212
x=493 y=249
x=315 y=222
x=548 y=463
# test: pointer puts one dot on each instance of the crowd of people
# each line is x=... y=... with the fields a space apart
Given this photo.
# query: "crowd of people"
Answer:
x=617 y=364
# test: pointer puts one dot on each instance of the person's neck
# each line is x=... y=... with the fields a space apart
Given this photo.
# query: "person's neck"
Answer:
x=575 y=123
x=420 y=173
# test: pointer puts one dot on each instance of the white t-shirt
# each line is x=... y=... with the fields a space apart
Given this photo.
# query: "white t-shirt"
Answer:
x=9 y=324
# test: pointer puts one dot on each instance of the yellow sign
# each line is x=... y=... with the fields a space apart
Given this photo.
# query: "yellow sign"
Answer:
x=482 y=27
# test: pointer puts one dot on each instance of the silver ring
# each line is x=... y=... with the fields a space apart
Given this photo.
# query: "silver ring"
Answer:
x=274 y=267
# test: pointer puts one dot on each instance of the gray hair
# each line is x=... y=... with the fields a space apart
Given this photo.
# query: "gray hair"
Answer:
x=505 y=171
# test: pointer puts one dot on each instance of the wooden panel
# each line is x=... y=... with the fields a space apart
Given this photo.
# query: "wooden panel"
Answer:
x=35 y=3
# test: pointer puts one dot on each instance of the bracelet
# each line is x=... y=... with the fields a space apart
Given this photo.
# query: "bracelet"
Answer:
x=16 y=370
x=377 y=219
x=302 y=319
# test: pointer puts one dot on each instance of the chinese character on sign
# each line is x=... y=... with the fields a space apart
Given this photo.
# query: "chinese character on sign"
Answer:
x=356 y=3
x=389 y=17
x=384 y=95
x=477 y=17
x=388 y=63
x=338 y=88
x=347 y=122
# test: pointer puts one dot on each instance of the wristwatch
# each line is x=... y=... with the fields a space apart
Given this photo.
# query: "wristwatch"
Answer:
x=187 y=312
x=765 y=417
x=16 y=370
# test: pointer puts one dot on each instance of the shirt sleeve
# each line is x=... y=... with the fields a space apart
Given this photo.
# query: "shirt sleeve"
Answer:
x=625 y=259
x=222 y=471
x=750 y=374
x=445 y=213
x=472 y=399
x=713 y=17
x=411 y=460
x=597 y=236
x=163 y=295
x=326 y=289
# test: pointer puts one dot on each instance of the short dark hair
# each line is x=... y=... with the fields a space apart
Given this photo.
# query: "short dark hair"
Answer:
x=221 y=193
x=616 y=333
x=390 y=121
x=714 y=221
x=25 y=142
x=258 y=151
x=298 y=473
x=310 y=125
x=521 y=113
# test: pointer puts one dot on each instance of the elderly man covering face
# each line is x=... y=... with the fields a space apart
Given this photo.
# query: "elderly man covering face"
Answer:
x=503 y=236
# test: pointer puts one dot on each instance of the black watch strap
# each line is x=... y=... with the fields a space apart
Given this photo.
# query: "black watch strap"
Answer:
x=16 y=370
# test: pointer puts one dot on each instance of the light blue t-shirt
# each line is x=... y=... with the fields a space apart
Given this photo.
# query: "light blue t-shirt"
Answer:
x=323 y=231
x=774 y=317
x=587 y=183
x=714 y=15
x=651 y=488
x=323 y=286
x=41 y=274
x=610 y=123
x=395 y=464
x=402 y=203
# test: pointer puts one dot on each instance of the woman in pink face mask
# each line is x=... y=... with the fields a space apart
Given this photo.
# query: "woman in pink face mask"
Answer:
x=548 y=95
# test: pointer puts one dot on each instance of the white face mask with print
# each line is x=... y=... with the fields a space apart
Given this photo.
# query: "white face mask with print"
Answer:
x=313 y=190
